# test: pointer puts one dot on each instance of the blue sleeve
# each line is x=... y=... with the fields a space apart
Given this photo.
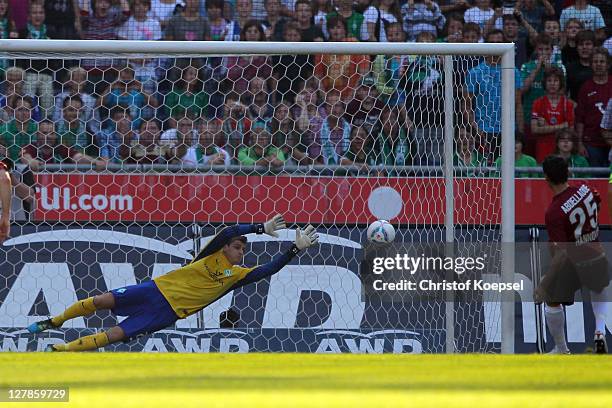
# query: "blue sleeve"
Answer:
x=472 y=80
x=224 y=236
x=518 y=80
x=269 y=269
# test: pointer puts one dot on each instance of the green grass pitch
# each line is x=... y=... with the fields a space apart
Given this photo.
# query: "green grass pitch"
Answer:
x=114 y=380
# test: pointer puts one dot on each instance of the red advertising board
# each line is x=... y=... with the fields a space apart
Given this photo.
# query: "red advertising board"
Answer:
x=232 y=198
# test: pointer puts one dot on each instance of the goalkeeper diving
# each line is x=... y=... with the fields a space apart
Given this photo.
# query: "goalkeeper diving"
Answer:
x=159 y=303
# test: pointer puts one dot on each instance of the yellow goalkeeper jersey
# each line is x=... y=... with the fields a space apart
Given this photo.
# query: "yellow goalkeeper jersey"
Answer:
x=205 y=279
x=198 y=284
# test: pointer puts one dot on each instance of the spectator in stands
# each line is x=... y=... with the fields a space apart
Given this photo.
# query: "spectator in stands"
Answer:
x=520 y=159
x=534 y=11
x=387 y=70
x=290 y=71
x=467 y=155
x=335 y=134
x=286 y=137
x=593 y=96
x=188 y=25
x=7 y=29
x=377 y=18
x=310 y=117
x=274 y=22
x=579 y=71
x=218 y=24
x=483 y=99
x=75 y=85
x=261 y=152
x=551 y=113
x=567 y=148
x=480 y=13
x=71 y=129
x=471 y=33
x=452 y=31
x=163 y=10
x=303 y=17
x=359 y=154
x=115 y=140
x=258 y=101
x=181 y=142
x=532 y=73
x=242 y=69
x=63 y=19
x=365 y=108
x=341 y=72
x=353 y=19
x=422 y=16
x=392 y=142
x=20 y=131
x=330 y=98
x=236 y=125
x=7 y=26
x=320 y=10
x=38 y=73
x=187 y=94
x=126 y=90
x=140 y=26
x=209 y=150
x=553 y=29
x=101 y=23
x=14 y=90
x=145 y=147
x=424 y=103
x=47 y=150
x=214 y=72
x=589 y=15
x=569 y=49
x=511 y=25
x=243 y=15
x=462 y=64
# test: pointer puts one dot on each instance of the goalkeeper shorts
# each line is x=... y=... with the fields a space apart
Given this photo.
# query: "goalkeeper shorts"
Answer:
x=147 y=310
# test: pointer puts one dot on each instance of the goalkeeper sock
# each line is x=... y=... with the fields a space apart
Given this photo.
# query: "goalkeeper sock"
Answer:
x=86 y=343
x=80 y=308
x=555 y=320
x=600 y=310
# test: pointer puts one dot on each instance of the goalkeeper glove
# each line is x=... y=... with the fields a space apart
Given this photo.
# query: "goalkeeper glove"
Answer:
x=307 y=238
x=276 y=223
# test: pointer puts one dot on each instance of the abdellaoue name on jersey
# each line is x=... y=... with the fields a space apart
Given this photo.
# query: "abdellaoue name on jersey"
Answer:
x=572 y=217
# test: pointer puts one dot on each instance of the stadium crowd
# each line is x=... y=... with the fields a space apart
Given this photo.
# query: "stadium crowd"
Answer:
x=360 y=110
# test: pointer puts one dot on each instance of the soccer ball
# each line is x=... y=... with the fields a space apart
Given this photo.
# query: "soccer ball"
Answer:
x=381 y=232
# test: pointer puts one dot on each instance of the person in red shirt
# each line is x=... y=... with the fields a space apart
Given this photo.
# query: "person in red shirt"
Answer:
x=578 y=259
x=550 y=113
x=5 y=199
x=592 y=100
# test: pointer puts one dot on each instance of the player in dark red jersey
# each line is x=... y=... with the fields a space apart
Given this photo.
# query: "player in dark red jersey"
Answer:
x=5 y=200
x=578 y=258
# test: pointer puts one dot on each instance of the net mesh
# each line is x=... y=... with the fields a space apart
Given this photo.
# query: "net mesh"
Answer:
x=126 y=164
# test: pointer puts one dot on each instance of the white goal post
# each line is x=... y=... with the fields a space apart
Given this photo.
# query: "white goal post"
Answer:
x=177 y=49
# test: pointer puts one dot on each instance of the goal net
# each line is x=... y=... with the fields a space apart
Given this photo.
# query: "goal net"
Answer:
x=128 y=157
